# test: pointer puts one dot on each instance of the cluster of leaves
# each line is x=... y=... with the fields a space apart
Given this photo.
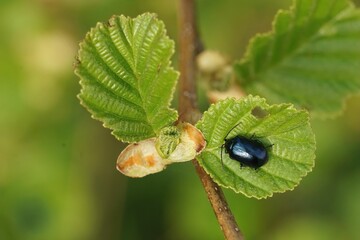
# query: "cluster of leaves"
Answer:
x=311 y=59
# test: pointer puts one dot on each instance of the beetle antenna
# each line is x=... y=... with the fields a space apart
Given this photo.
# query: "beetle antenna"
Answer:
x=269 y=146
x=232 y=129
x=222 y=163
x=252 y=136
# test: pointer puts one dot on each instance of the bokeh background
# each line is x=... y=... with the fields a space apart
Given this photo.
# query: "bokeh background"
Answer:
x=57 y=165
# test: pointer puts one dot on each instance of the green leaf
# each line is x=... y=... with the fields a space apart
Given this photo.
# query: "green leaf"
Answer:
x=126 y=78
x=311 y=58
x=285 y=129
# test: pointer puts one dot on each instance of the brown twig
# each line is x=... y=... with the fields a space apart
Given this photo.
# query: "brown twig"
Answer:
x=189 y=47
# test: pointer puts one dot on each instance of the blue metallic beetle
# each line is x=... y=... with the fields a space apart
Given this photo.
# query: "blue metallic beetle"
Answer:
x=247 y=151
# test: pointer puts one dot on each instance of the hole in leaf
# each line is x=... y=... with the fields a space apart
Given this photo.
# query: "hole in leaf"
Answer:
x=259 y=112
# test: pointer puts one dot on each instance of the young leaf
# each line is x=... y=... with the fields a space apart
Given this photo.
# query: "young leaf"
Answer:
x=283 y=130
x=311 y=58
x=175 y=144
x=126 y=78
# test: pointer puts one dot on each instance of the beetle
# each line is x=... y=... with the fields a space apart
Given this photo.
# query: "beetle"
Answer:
x=247 y=151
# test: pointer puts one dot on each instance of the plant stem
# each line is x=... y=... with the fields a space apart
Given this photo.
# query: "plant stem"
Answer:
x=189 y=112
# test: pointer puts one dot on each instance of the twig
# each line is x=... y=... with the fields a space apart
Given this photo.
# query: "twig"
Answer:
x=189 y=47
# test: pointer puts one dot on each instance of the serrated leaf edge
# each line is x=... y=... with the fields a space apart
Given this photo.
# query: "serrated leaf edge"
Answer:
x=107 y=24
x=271 y=193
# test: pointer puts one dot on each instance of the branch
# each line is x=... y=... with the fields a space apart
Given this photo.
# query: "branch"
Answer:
x=189 y=112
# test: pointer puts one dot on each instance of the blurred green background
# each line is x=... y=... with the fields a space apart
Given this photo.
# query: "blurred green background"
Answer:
x=57 y=165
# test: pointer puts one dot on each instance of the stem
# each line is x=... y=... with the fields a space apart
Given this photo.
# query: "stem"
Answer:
x=189 y=112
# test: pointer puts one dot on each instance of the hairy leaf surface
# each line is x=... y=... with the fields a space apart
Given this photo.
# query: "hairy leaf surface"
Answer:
x=126 y=78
